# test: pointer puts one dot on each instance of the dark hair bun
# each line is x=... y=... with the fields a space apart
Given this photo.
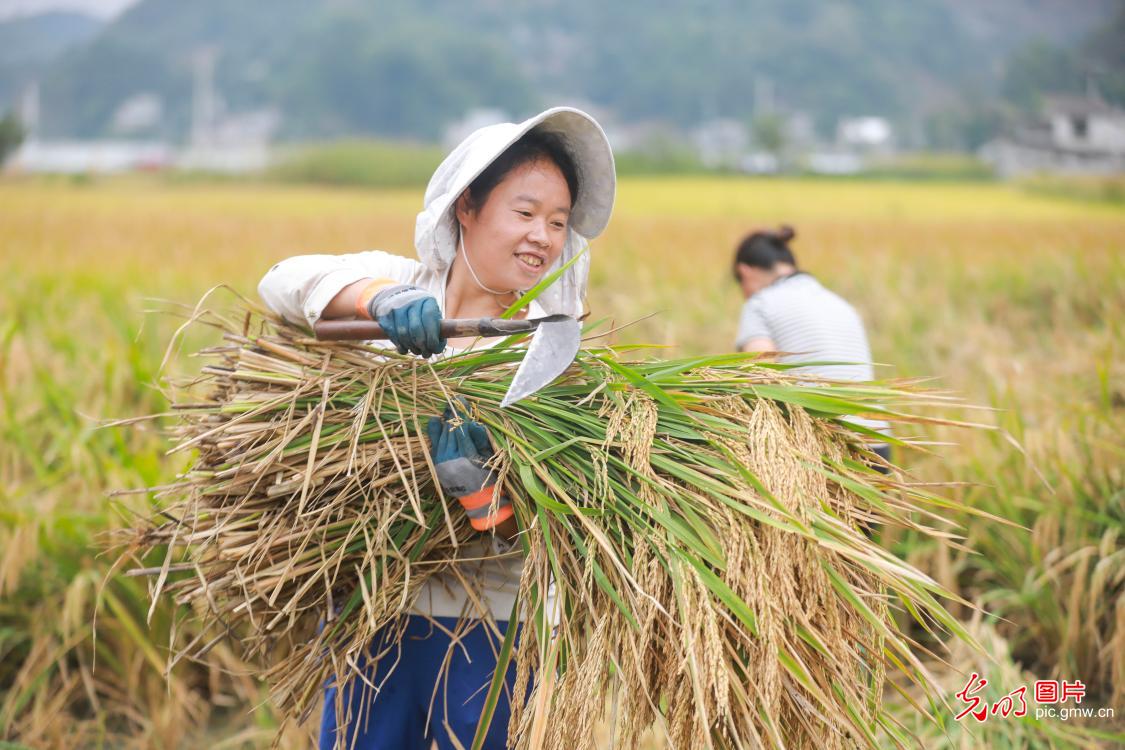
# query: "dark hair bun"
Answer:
x=765 y=248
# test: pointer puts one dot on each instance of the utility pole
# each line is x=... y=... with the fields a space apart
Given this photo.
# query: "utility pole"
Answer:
x=29 y=111
x=763 y=95
x=203 y=102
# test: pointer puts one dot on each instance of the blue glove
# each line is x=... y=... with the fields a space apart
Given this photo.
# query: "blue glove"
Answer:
x=411 y=319
x=460 y=454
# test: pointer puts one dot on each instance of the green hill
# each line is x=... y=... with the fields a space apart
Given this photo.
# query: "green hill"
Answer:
x=29 y=44
x=408 y=68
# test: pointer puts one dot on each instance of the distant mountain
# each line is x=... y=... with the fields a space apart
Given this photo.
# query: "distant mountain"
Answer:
x=340 y=67
x=41 y=38
x=1008 y=24
x=408 y=67
x=28 y=44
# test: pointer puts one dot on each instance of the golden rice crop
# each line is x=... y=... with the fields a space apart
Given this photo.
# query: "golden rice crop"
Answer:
x=1012 y=300
x=703 y=522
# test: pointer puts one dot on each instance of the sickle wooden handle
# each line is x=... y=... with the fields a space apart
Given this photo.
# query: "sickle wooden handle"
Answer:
x=367 y=330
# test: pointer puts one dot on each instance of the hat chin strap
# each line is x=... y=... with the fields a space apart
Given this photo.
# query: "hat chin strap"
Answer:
x=469 y=265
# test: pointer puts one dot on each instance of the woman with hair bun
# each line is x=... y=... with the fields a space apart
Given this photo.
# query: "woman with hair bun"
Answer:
x=788 y=310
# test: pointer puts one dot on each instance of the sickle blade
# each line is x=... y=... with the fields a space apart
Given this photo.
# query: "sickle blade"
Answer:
x=553 y=347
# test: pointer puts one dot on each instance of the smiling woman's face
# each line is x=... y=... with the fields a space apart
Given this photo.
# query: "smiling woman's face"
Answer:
x=520 y=230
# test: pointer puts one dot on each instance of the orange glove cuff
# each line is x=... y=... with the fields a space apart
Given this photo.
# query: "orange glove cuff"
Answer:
x=476 y=506
x=366 y=293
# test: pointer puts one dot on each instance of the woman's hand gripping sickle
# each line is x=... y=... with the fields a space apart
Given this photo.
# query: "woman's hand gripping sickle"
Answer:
x=461 y=450
x=409 y=316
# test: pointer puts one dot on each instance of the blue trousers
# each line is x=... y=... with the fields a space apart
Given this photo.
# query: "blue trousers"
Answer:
x=395 y=718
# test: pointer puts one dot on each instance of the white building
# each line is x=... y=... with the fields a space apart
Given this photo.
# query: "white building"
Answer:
x=721 y=143
x=139 y=113
x=866 y=134
x=1077 y=135
x=833 y=162
x=93 y=157
x=236 y=143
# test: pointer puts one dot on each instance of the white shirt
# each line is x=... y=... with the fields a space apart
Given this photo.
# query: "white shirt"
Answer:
x=812 y=324
x=298 y=289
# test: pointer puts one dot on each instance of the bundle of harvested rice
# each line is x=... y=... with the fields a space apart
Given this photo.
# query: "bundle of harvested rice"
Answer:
x=700 y=524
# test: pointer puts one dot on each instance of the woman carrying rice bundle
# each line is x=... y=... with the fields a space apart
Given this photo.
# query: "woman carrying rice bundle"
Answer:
x=511 y=203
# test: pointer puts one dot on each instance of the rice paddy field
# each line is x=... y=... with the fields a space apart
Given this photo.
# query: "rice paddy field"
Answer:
x=1014 y=301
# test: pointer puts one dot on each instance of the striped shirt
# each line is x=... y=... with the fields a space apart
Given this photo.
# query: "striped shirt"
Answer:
x=810 y=324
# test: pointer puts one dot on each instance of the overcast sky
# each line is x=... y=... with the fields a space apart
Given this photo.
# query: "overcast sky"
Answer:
x=101 y=8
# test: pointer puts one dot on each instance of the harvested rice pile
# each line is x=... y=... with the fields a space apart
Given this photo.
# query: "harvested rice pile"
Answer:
x=702 y=522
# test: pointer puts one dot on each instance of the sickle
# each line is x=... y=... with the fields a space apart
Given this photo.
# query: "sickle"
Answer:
x=554 y=344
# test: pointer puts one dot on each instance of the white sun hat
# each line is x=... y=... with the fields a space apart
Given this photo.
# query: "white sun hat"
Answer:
x=436 y=231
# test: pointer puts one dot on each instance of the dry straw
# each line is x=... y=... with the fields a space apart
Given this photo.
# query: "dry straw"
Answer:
x=701 y=524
